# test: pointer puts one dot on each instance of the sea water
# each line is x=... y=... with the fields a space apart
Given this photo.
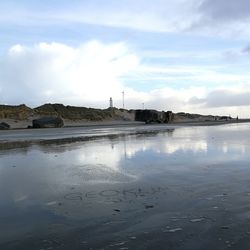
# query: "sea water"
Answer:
x=155 y=188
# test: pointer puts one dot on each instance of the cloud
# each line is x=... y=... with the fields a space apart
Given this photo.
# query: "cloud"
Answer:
x=59 y=73
x=223 y=18
x=246 y=49
x=205 y=17
x=88 y=74
x=232 y=97
x=150 y=16
x=156 y=16
x=226 y=10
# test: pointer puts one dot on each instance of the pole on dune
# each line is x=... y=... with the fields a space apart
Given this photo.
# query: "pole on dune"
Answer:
x=123 y=99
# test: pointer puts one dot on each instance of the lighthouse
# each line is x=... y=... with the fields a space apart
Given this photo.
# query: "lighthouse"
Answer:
x=110 y=102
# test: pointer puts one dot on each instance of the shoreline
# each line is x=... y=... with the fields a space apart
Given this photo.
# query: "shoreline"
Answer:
x=23 y=138
x=114 y=123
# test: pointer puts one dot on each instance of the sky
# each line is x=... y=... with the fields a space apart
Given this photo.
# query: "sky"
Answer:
x=180 y=55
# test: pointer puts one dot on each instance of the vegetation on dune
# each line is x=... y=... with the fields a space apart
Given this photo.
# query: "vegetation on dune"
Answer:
x=20 y=112
x=66 y=112
x=77 y=113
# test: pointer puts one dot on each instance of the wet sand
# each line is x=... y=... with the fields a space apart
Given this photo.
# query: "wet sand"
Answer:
x=91 y=129
x=141 y=187
x=23 y=124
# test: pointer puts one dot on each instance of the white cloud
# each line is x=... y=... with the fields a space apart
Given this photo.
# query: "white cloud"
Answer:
x=59 y=73
x=153 y=16
x=156 y=16
x=230 y=97
x=89 y=74
x=220 y=18
x=226 y=18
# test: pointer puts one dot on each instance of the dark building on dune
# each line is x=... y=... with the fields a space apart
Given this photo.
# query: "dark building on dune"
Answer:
x=153 y=116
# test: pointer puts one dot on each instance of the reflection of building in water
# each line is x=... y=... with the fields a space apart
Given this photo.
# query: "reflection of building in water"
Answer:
x=125 y=148
x=112 y=145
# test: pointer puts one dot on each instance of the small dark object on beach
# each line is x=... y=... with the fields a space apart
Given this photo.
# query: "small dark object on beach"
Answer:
x=117 y=210
x=4 y=125
x=224 y=227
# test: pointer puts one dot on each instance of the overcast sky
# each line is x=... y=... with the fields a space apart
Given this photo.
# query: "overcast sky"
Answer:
x=180 y=55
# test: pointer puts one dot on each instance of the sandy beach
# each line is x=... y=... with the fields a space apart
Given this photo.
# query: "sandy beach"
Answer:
x=25 y=123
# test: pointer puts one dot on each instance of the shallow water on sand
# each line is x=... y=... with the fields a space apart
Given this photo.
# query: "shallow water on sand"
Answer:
x=182 y=188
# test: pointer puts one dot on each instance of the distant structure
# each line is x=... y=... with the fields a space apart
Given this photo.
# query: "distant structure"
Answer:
x=123 y=99
x=110 y=102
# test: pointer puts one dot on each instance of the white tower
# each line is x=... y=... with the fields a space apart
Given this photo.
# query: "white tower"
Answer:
x=111 y=102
